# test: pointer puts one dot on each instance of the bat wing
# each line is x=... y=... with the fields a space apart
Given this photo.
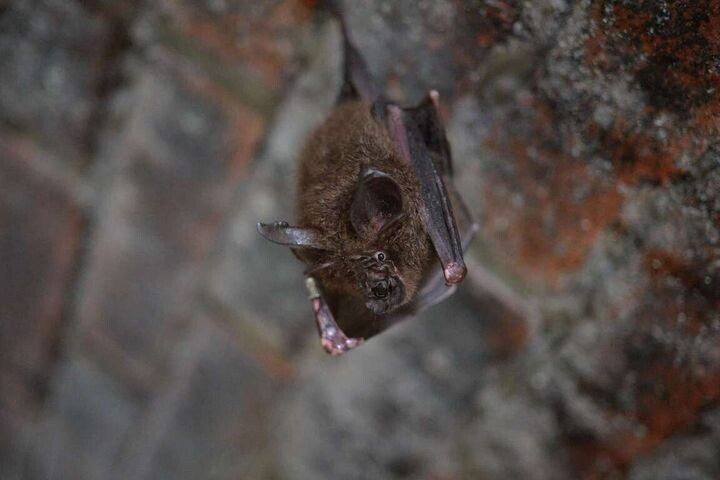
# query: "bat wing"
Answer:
x=431 y=158
x=426 y=121
x=434 y=289
x=420 y=141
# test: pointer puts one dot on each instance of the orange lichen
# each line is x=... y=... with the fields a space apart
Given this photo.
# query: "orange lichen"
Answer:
x=639 y=156
x=679 y=46
x=671 y=50
x=563 y=207
x=260 y=43
x=673 y=386
x=482 y=25
x=660 y=416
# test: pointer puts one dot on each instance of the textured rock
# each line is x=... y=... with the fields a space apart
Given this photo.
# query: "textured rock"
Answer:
x=57 y=62
x=584 y=343
x=691 y=456
x=83 y=426
x=386 y=409
x=249 y=274
x=42 y=227
x=178 y=163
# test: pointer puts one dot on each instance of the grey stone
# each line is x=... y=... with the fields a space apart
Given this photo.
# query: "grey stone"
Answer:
x=51 y=61
x=84 y=424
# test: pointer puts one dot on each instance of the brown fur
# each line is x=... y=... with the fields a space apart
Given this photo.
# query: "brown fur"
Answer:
x=329 y=171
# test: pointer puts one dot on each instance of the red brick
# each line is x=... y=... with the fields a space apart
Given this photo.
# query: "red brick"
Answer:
x=248 y=48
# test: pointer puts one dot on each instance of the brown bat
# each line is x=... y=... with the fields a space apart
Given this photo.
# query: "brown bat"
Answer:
x=379 y=224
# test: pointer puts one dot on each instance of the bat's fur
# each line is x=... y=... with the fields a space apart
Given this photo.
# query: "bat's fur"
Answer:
x=329 y=173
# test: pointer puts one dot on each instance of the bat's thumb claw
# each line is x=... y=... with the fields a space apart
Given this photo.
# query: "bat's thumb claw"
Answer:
x=454 y=272
x=434 y=98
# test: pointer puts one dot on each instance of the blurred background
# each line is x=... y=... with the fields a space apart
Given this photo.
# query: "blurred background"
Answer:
x=148 y=332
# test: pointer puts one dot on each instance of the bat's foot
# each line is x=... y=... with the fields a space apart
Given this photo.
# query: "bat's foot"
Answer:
x=332 y=338
x=335 y=342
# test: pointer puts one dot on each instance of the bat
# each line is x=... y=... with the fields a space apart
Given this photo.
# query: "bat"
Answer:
x=380 y=226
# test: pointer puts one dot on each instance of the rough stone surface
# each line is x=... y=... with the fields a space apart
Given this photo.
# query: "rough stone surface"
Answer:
x=42 y=228
x=148 y=332
x=57 y=64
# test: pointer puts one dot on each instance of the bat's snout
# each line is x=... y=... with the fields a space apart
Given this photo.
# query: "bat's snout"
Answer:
x=385 y=294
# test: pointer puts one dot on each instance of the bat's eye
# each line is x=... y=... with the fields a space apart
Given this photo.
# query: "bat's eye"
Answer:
x=380 y=290
x=380 y=256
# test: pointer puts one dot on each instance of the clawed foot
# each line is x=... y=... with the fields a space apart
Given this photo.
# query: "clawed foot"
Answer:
x=332 y=338
x=335 y=342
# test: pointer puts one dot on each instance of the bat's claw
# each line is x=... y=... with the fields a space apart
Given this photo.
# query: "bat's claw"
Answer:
x=434 y=98
x=332 y=338
x=335 y=342
x=454 y=272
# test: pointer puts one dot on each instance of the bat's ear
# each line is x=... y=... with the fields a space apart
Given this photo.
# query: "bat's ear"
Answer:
x=294 y=237
x=376 y=205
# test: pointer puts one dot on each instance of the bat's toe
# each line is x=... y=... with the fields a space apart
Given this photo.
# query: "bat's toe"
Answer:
x=336 y=343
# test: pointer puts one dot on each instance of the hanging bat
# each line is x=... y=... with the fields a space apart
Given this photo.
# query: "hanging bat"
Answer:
x=380 y=225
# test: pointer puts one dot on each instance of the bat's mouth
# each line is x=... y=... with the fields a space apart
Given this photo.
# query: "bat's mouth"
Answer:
x=385 y=295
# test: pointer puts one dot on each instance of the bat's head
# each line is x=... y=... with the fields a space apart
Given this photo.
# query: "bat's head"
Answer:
x=376 y=210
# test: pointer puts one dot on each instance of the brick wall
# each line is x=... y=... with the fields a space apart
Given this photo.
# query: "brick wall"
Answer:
x=147 y=332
